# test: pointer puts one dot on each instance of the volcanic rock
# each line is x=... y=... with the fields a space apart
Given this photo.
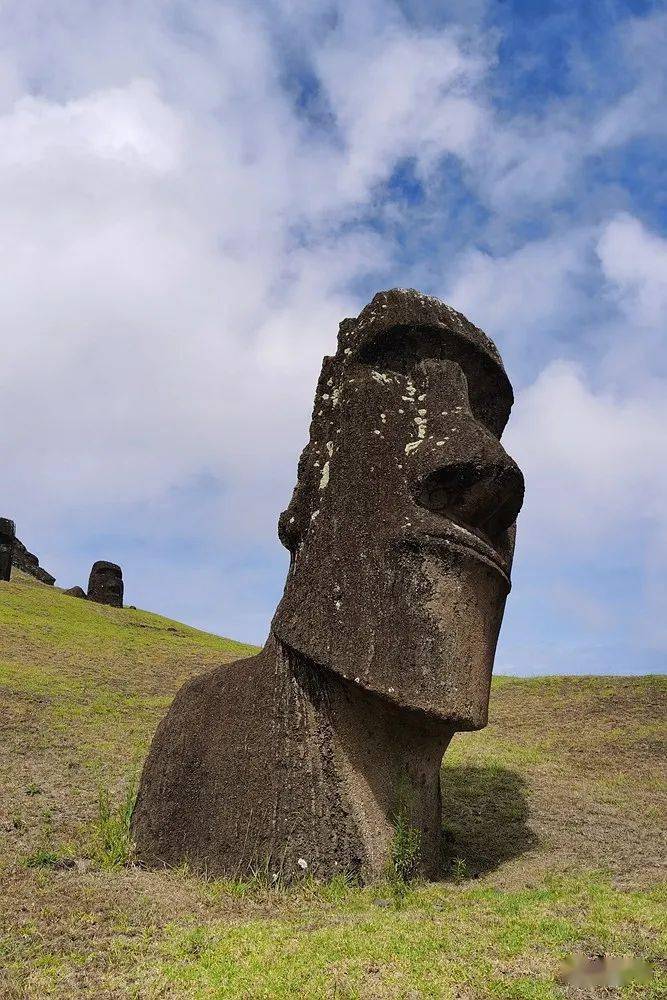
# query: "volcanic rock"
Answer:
x=105 y=585
x=401 y=534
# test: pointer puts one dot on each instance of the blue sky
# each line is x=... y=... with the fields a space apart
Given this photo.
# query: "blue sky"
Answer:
x=194 y=194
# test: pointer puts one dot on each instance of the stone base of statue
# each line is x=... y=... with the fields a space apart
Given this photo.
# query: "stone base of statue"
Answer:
x=271 y=764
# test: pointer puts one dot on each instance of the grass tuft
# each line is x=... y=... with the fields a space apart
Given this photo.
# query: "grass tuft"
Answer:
x=111 y=841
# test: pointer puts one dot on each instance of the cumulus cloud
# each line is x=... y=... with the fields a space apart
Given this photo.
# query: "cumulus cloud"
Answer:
x=634 y=264
x=177 y=259
x=593 y=461
x=193 y=198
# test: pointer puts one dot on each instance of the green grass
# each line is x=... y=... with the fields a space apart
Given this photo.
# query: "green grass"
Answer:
x=552 y=816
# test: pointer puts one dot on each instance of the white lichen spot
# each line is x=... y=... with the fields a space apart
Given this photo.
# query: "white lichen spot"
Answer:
x=375 y=431
x=313 y=515
x=324 y=478
x=381 y=377
x=348 y=350
x=401 y=411
x=422 y=413
x=302 y=863
x=356 y=680
x=291 y=520
x=335 y=396
x=421 y=434
x=390 y=690
x=329 y=448
x=325 y=395
x=440 y=443
x=383 y=418
x=422 y=397
x=337 y=604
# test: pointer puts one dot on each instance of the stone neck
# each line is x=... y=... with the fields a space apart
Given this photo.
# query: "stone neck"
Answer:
x=385 y=760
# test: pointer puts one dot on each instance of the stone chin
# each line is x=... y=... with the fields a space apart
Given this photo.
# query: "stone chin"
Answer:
x=449 y=597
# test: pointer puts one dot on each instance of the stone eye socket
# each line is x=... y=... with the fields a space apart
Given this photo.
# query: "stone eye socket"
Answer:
x=402 y=348
x=484 y=498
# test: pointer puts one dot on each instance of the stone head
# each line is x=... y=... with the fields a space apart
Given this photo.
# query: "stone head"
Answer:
x=402 y=522
x=7 y=539
x=105 y=584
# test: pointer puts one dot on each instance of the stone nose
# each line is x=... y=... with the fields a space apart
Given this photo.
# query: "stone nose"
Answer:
x=482 y=491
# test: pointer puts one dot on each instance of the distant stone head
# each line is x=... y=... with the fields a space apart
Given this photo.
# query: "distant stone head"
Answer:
x=7 y=541
x=105 y=584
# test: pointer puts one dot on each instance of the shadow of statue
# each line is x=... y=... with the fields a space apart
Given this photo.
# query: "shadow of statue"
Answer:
x=485 y=820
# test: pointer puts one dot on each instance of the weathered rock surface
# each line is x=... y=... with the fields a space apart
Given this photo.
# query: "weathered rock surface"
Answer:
x=401 y=533
x=105 y=584
x=29 y=563
x=7 y=542
x=76 y=592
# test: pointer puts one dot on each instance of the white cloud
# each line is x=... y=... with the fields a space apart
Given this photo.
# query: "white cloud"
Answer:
x=180 y=240
x=594 y=463
x=176 y=263
x=634 y=263
x=517 y=296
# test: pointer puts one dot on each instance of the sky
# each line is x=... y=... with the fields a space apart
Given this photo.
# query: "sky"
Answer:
x=193 y=194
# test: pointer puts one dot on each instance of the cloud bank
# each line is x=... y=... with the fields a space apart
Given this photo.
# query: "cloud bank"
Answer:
x=193 y=196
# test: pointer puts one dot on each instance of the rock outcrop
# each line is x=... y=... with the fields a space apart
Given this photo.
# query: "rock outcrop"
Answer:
x=29 y=563
x=24 y=560
x=401 y=535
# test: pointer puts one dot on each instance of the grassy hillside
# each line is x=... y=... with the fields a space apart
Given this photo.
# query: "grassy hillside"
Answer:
x=553 y=817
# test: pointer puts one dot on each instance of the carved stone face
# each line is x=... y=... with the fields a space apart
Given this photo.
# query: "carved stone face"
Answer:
x=401 y=526
x=105 y=584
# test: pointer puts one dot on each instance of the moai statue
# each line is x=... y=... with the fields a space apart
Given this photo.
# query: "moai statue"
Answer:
x=401 y=534
x=105 y=584
x=7 y=539
x=79 y=592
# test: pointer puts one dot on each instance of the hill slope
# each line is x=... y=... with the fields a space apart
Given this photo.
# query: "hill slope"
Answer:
x=553 y=818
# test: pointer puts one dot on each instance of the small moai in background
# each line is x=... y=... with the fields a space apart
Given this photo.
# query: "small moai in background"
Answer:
x=7 y=539
x=105 y=584
x=76 y=592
